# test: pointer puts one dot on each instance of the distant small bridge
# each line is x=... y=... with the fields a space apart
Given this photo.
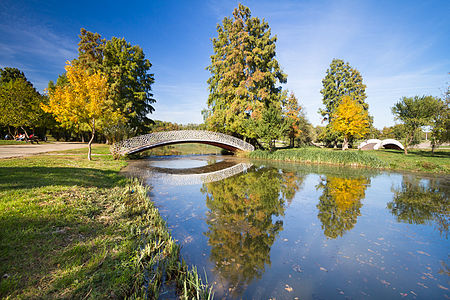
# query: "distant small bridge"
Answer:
x=375 y=144
x=164 y=138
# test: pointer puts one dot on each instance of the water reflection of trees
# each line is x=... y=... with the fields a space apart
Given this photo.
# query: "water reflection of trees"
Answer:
x=422 y=202
x=242 y=221
x=340 y=203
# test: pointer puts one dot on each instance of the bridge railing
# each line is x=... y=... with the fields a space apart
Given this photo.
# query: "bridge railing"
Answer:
x=152 y=139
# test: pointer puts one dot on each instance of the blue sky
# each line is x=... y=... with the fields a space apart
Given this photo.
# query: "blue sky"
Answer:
x=401 y=48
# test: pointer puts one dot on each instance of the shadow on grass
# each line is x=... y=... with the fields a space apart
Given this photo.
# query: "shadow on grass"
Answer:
x=31 y=177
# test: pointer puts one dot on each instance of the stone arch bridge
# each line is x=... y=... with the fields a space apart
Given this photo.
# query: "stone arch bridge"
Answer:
x=164 y=138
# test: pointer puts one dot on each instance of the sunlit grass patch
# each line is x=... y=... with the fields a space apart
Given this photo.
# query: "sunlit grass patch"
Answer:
x=99 y=149
x=12 y=142
x=70 y=228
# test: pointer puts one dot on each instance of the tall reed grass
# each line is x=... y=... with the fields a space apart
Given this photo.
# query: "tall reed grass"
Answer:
x=157 y=260
x=325 y=156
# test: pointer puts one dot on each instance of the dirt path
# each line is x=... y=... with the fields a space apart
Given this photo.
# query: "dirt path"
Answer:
x=7 y=151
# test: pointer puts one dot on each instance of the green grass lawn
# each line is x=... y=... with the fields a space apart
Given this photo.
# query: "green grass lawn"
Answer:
x=416 y=160
x=72 y=228
x=97 y=149
x=11 y=142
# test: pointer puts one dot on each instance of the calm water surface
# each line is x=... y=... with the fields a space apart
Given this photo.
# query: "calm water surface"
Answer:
x=265 y=230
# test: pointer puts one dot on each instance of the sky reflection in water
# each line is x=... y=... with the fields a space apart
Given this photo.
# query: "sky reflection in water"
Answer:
x=313 y=232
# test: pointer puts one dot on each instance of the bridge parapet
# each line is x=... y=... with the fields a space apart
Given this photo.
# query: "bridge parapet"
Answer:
x=156 y=139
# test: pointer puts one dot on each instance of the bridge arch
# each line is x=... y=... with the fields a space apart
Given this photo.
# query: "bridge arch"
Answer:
x=164 y=138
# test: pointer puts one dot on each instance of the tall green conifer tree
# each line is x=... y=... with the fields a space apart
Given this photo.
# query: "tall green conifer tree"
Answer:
x=245 y=75
x=340 y=80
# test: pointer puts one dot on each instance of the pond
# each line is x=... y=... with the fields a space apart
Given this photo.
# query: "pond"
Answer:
x=263 y=230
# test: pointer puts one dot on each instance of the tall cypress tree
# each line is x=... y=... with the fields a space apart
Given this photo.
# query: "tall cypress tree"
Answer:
x=340 y=80
x=245 y=75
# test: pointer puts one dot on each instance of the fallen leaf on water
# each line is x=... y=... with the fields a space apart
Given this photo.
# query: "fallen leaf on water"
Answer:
x=412 y=292
x=385 y=282
x=422 y=285
x=297 y=268
x=323 y=269
x=404 y=294
x=288 y=288
x=424 y=253
x=285 y=240
x=442 y=287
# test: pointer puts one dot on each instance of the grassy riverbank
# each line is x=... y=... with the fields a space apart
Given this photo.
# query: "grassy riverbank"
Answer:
x=12 y=142
x=416 y=160
x=70 y=228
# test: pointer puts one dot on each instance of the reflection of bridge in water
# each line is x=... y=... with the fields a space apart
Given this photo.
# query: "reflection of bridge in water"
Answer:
x=190 y=176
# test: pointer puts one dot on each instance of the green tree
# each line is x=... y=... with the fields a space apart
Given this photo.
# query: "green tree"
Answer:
x=127 y=73
x=90 y=50
x=415 y=112
x=245 y=75
x=10 y=74
x=241 y=225
x=19 y=101
x=441 y=123
x=340 y=80
x=130 y=83
x=419 y=202
x=270 y=127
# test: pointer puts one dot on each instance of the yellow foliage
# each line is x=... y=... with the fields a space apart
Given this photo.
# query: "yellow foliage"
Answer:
x=83 y=101
x=347 y=191
x=350 y=118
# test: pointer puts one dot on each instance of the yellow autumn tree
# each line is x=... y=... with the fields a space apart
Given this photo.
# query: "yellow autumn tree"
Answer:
x=82 y=102
x=350 y=119
x=293 y=114
x=340 y=204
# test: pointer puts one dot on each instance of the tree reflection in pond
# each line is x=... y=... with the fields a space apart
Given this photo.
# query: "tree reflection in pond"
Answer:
x=242 y=222
x=340 y=203
x=422 y=202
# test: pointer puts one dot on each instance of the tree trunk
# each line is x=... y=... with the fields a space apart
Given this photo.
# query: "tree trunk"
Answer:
x=26 y=134
x=407 y=142
x=345 y=143
x=433 y=145
x=11 y=135
x=90 y=141
x=291 y=142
